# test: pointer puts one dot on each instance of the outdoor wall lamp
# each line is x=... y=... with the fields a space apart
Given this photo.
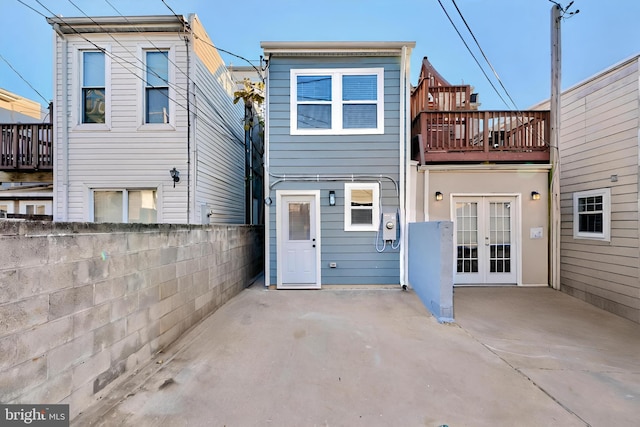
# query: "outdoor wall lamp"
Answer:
x=175 y=175
x=332 y=198
x=535 y=195
x=438 y=196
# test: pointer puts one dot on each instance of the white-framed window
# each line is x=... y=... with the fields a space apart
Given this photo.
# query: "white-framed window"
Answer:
x=156 y=86
x=592 y=214
x=93 y=98
x=125 y=205
x=361 y=206
x=337 y=101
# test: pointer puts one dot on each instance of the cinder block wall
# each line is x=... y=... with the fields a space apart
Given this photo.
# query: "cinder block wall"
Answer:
x=82 y=304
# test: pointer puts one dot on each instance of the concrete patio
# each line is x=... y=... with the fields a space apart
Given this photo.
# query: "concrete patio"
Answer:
x=363 y=357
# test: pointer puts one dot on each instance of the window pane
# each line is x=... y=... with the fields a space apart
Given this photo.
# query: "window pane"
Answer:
x=360 y=116
x=314 y=116
x=313 y=88
x=107 y=206
x=359 y=88
x=157 y=69
x=93 y=105
x=93 y=69
x=299 y=221
x=157 y=105
x=591 y=223
x=361 y=197
x=361 y=216
x=142 y=206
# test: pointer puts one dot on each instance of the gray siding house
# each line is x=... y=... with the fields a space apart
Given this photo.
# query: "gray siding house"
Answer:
x=336 y=162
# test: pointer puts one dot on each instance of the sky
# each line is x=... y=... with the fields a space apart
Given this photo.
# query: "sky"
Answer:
x=514 y=35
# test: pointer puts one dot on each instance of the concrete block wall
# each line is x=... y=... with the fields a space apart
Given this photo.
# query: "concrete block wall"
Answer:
x=82 y=304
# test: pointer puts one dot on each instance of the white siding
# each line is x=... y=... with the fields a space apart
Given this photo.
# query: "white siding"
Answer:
x=128 y=154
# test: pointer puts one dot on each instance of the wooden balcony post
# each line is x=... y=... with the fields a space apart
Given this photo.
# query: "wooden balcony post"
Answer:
x=485 y=132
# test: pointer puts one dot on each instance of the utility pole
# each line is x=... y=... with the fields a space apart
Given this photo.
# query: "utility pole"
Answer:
x=554 y=187
x=557 y=15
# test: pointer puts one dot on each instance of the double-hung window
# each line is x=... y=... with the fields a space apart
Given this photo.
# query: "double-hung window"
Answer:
x=93 y=87
x=592 y=214
x=337 y=101
x=156 y=90
x=361 y=206
x=126 y=205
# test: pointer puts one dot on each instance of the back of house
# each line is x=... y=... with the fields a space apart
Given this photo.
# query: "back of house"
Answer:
x=335 y=162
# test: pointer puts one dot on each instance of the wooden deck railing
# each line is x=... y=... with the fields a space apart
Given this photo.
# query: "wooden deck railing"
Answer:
x=26 y=147
x=440 y=98
x=460 y=136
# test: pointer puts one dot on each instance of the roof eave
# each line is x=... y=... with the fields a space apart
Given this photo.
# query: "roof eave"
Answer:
x=119 y=24
x=313 y=48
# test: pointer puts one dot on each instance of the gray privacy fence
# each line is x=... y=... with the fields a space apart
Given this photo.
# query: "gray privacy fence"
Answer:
x=431 y=266
x=82 y=304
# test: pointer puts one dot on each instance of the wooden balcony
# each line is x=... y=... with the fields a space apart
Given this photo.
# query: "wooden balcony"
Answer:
x=481 y=136
x=26 y=147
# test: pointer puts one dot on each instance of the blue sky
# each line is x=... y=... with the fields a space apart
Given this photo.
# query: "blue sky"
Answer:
x=514 y=35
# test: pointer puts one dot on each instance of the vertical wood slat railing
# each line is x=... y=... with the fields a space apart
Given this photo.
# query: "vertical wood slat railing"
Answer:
x=484 y=130
x=26 y=146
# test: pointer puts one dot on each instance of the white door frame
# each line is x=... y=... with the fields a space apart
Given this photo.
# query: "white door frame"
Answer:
x=279 y=237
x=517 y=227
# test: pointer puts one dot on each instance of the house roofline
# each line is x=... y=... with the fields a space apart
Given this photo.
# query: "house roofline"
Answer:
x=312 y=48
x=119 y=24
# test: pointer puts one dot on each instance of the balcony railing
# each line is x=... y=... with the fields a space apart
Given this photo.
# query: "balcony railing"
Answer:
x=481 y=136
x=26 y=147
x=441 y=98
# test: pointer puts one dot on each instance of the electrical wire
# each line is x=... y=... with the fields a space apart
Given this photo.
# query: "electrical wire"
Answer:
x=114 y=56
x=495 y=73
x=471 y=52
x=23 y=79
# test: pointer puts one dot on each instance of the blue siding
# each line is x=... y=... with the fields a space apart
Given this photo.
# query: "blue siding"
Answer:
x=355 y=253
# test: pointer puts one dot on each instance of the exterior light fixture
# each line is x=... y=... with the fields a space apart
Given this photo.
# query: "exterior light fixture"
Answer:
x=175 y=175
x=438 y=196
x=535 y=195
x=332 y=198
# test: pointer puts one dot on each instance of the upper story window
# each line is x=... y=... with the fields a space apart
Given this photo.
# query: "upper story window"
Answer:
x=337 y=101
x=592 y=214
x=93 y=87
x=156 y=91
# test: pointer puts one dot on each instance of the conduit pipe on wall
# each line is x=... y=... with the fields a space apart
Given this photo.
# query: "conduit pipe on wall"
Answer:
x=325 y=178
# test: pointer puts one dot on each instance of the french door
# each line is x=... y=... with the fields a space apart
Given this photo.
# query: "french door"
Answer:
x=485 y=240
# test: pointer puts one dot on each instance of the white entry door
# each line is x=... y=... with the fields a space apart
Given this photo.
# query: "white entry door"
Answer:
x=298 y=242
x=485 y=240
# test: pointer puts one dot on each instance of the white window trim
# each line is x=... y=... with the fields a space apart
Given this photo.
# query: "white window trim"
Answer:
x=606 y=215
x=348 y=187
x=141 y=92
x=78 y=72
x=90 y=212
x=336 y=100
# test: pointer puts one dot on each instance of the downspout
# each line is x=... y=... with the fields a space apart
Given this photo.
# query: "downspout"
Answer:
x=266 y=192
x=403 y=163
x=64 y=117
x=186 y=44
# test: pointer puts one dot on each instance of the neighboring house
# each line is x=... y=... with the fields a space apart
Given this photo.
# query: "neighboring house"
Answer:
x=27 y=199
x=487 y=171
x=26 y=156
x=335 y=162
x=146 y=128
x=599 y=199
x=17 y=109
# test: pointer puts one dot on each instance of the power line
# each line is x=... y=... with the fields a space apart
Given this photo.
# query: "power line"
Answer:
x=472 y=54
x=36 y=11
x=24 y=80
x=484 y=56
x=217 y=48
